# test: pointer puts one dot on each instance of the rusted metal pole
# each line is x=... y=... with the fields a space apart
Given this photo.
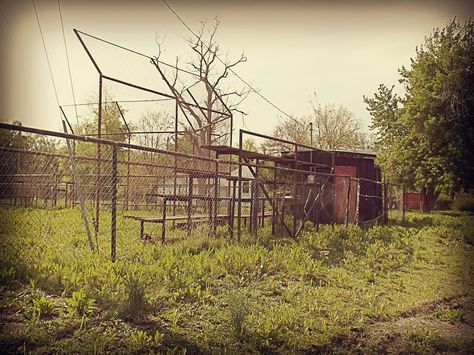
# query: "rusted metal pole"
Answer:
x=99 y=157
x=232 y=209
x=296 y=205
x=333 y=170
x=239 y=207
x=274 y=201
x=403 y=204
x=357 y=202
x=163 y=224
x=78 y=184
x=348 y=200
x=129 y=136
x=113 y=237
x=175 y=157
x=190 y=202
x=216 y=195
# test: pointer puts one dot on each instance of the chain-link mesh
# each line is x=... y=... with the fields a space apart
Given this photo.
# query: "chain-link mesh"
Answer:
x=105 y=191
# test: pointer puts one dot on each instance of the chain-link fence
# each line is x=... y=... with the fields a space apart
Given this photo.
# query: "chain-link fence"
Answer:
x=54 y=183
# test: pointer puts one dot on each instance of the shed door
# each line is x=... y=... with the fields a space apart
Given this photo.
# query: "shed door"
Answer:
x=341 y=191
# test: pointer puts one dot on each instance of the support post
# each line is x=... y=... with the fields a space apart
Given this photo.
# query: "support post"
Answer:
x=163 y=223
x=239 y=207
x=99 y=157
x=403 y=205
x=232 y=210
x=274 y=202
x=296 y=204
x=113 y=237
x=78 y=184
x=216 y=195
x=348 y=200
x=190 y=202
x=357 y=202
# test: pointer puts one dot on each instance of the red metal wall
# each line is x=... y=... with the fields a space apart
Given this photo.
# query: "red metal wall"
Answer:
x=413 y=201
x=340 y=191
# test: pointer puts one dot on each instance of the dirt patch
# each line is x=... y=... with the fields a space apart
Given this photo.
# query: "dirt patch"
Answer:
x=444 y=326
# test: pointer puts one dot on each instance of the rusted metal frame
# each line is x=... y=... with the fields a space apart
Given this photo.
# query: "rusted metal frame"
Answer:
x=333 y=169
x=127 y=187
x=102 y=141
x=66 y=119
x=239 y=207
x=386 y=201
x=372 y=196
x=211 y=124
x=319 y=203
x=190 y=203
x=232 y=210
x=216 y=196
x=173 y=90
x=253 y=220
x=133 y=133
x=197 y=104
x=163 y=223
x=137 y=53
x=295 y=193
x=98 y=167
x=348 y=197
x=176 y=112
x=274 y=202
x=313 y=205
x=155 y=92
x=111 y=102
x=78 y=183
x=282 y=219
x=281 y=140
x=113 y=237
x=230 y=143
x=218 y=96
x=403 y=205
x=357 y=202
x=87 y=51
x=290 y=170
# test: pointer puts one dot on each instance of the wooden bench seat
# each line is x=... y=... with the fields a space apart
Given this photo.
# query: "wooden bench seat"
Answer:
x=192 y=218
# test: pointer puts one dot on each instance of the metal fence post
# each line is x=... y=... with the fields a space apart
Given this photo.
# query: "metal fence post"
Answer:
x=113 y=237
x=348 y=200
x=239 y=206
x=403 y=204
x=357 y=202
x=78 y=184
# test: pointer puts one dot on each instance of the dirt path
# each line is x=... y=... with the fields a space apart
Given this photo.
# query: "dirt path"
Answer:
x=444 y=326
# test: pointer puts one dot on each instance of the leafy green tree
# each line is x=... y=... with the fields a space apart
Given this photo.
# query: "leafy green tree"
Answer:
x=426 y=138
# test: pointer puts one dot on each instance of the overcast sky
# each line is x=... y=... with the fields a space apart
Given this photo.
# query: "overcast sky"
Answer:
x=339 y=50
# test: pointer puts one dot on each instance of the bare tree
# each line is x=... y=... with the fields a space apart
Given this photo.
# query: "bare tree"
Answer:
x=154 y=122
x=211 y=112
x=332 y=127
x=335 y=127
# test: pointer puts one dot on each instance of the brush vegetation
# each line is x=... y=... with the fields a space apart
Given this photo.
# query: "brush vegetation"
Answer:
x=203 y=295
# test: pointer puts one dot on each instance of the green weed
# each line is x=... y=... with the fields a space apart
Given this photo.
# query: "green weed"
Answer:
x=42 y=306
x=238 y=310
x=80 y=304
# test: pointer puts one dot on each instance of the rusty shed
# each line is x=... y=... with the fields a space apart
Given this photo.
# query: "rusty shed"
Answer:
x=356 y=164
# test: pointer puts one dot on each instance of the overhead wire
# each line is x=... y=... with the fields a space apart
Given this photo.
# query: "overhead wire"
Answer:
x=46 y=52
x=230 y=69
x=68 y=63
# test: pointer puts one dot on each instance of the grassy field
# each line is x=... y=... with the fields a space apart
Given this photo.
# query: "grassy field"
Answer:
x=343 y=290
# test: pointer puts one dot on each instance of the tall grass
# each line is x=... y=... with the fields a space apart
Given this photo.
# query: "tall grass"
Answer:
x=263 y=294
